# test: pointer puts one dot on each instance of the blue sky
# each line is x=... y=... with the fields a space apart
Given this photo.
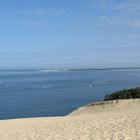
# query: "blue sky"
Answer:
x=69 y=33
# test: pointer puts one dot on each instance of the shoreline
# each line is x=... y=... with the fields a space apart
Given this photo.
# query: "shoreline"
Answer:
x=116 y=119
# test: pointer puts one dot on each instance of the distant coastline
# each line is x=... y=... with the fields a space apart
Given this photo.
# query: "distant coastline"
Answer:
x=70 y=69
x=91 y=69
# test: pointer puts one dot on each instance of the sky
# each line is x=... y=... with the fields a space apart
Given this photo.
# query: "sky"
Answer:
x=69 y=33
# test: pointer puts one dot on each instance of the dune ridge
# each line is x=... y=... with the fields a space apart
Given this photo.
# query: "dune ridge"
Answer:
x=110 y=120
x=107 y=106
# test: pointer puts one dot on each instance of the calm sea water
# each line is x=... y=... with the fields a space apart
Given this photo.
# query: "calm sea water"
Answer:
x=41 y=94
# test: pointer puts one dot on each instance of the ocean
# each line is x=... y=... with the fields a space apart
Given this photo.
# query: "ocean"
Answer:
x=36 y=93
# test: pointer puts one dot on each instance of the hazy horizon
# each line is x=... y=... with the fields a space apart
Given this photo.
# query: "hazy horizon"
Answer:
x=68 y=68
x=69 y=34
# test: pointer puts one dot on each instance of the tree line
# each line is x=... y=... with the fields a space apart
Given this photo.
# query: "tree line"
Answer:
x=124 y=94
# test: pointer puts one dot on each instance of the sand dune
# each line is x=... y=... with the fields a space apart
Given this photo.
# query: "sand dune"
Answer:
x=112 y=120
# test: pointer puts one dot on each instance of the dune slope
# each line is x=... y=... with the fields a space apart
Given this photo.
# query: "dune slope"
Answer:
x=111 y=120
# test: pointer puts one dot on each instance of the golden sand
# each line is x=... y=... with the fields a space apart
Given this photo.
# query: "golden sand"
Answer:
x=113 y=120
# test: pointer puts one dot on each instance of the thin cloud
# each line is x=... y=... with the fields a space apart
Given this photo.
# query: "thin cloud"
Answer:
x=103 y=5
x=124 y=14
x=52 y=12
x=130 y=22
x=34 y=24
x=130 y=6
x=130 y=41
x=128 y=38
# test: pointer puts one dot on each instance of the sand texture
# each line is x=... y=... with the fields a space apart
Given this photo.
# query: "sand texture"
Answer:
x=112 y=120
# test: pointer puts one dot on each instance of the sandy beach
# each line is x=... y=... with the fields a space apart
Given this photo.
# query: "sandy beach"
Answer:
x=111 y=120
